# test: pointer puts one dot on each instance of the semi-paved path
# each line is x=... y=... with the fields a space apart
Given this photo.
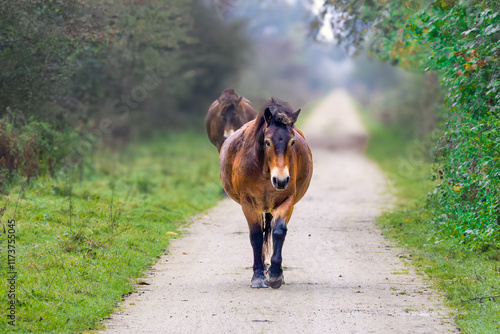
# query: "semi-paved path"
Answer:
x=341 y=275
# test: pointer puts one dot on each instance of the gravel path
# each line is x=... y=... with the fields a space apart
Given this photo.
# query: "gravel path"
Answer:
x=341 y=275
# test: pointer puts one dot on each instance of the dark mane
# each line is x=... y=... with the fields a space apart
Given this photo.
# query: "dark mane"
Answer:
x=228 y=97
x=257 y=135
x=281 y=111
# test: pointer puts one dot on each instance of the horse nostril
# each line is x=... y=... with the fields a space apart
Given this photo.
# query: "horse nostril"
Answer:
x=280 y=183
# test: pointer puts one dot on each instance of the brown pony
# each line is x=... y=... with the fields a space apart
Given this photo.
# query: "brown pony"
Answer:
x=266 y=166
x=226 y=115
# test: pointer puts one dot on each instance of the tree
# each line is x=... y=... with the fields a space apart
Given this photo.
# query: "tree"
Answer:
x=76 y=74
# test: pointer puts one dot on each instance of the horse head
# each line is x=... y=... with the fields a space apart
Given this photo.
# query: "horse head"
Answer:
x=279 y=141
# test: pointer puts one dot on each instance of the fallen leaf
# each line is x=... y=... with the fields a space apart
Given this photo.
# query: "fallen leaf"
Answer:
x=171 y=233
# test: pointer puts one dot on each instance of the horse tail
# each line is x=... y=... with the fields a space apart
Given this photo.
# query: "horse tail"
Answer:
x=268 y=240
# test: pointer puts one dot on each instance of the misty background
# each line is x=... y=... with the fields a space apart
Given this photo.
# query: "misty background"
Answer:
x=290 y=60
x=79 y=78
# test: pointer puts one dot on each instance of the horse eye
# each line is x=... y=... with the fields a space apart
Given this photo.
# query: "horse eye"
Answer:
x=292 y=142
x=267 y=142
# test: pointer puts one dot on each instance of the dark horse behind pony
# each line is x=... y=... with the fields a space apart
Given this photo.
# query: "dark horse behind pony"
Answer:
x=226 y=115
x=266 y=166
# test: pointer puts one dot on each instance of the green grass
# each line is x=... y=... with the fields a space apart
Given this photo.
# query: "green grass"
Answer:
x=81 y=244
x=462 y=276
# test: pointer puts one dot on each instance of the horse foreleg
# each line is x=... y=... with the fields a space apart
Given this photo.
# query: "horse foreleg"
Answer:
x=275 y=278
x=257 y=241
x=283 y=214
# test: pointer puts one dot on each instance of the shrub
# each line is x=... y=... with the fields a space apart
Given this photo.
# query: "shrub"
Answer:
x=460 y=40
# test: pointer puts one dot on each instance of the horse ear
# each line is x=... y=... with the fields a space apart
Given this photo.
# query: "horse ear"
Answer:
x=295 y=115
x=239 y=100
x=268 y=115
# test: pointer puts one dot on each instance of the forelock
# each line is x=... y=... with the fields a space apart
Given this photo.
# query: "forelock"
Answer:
x=280 y=111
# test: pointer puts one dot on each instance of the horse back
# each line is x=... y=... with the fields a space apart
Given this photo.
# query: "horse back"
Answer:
x=212 y=125
x=246 y=110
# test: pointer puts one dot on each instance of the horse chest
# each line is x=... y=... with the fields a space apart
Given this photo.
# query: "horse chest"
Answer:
x=269 y=199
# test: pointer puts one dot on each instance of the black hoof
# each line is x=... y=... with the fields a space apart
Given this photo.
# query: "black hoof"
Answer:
x=275 y=282
x=258 y=282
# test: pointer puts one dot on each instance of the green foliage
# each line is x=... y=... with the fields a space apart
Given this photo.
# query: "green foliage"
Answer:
x=38 y=44
x=460 y=40
x=36 y=149
x=80 y=74
x=167 y=62
x=377 y=25
x=80 y=57
x=465 y=38
x=468 y=280
x=81 y=245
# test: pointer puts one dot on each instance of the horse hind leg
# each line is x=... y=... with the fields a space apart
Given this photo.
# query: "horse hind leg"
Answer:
x=256 y=225
x=257 y=241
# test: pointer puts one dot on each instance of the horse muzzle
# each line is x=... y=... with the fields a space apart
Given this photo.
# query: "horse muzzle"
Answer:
x=227 y=133
x=280 y=178
x=280 y=184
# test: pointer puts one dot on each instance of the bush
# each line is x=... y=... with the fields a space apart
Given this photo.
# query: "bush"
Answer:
x=166 y=64
x=36 y=149
x=460 y=40
x=80 y=74
x=466 y=43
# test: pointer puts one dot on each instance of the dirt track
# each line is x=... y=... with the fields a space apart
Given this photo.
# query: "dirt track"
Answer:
x=341 y=275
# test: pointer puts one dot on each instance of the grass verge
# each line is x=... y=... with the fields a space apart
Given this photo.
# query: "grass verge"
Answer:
x=80 y=245
x=469 y=280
